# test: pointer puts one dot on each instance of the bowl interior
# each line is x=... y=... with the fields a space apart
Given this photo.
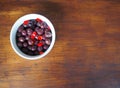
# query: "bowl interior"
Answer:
x=14 y=30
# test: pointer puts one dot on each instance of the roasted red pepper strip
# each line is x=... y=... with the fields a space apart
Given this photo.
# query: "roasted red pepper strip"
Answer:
x=39 y=20
x=39 y=37
x=39 y=44
x=41 y=52
x=26 y=22
x=33 y=35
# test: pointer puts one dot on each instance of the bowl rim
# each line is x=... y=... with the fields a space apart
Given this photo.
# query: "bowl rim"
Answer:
x=13 y=31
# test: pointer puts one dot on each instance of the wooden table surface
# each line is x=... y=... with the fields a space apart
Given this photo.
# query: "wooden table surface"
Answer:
x=86 y=53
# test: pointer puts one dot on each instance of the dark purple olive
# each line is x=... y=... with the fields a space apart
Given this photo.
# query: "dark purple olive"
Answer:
x=36 y=42
x=25 y=50
x=36 y=53
x=19 y=44
x=43 y=37
x=42 y=41
x=48 y=34
x=47 y=30
x=34 y=22
x=30 y=24
x=40 y=32
x=24 y=33
x=48 y=41
x=40 y=48
x=37 y=28
x=30 y=53
x=25 y=44
x=38 y=24
x=29 y=31
x=20 y=28
x=21 y=39
x=34 y=48
x=43 y=25
x=45 y=47
x=18 y=34
x=29 y=47
x=30 y=42
x=27 y=37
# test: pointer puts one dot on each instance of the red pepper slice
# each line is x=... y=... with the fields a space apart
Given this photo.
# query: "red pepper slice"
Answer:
x=39 y=37
x=26 y=22
x=39 y=20
x=32 y=37
x=34 y=33
x=39 y=44
x=41 y=52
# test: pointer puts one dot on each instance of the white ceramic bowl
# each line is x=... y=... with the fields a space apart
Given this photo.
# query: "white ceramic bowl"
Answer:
x=14 y=30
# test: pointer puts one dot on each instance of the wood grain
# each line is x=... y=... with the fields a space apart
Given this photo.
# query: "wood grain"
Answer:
x=86 y=52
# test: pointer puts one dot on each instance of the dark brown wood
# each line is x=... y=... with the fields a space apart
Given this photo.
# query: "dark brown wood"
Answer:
x=86 y=53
